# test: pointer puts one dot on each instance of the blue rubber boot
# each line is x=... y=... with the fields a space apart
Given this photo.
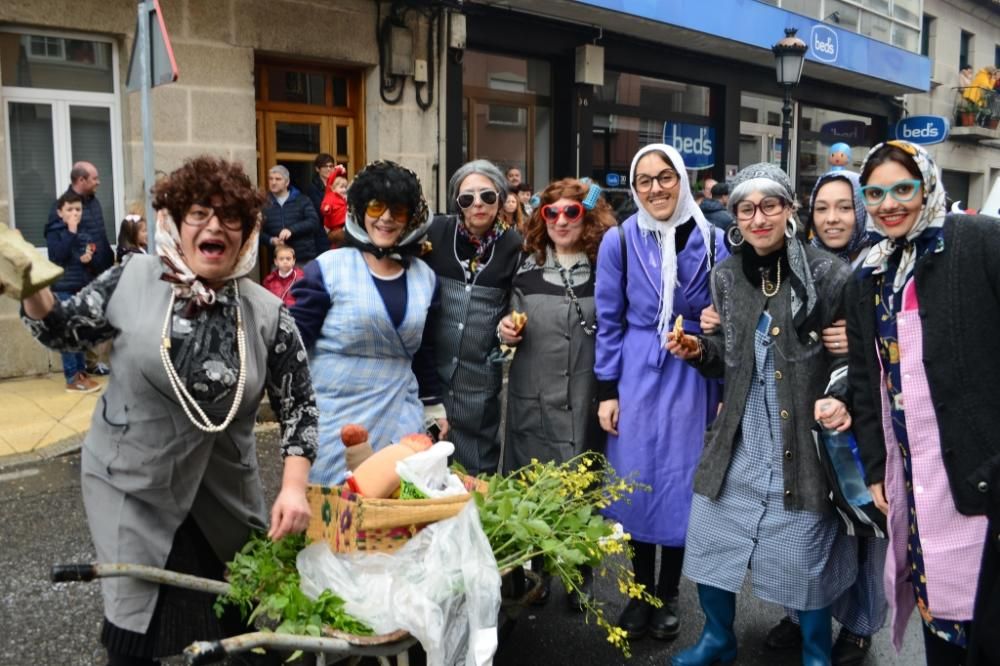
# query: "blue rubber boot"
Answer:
x=717 y=644
x=817 y=637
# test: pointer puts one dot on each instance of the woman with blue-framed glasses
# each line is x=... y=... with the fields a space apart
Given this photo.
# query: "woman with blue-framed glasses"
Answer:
x=922 y=322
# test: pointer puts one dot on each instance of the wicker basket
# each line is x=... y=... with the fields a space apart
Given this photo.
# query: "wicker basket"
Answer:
x=349 y=522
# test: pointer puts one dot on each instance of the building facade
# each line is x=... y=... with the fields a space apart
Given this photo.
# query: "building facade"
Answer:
x=957 y=33
x=556 y=88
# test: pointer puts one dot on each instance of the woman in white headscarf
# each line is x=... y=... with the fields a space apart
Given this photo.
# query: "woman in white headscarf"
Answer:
x=654 y=268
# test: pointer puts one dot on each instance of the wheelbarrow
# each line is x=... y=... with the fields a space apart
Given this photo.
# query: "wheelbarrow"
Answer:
x=519 y=589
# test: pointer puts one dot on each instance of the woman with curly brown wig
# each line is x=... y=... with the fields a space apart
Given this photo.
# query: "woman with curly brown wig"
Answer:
x=552 y=389
x=169 y=466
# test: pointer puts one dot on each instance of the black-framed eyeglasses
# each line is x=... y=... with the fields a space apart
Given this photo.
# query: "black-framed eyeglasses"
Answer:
x=198 y=216
x=665 y=178
x=770 y=206
x=466 y=199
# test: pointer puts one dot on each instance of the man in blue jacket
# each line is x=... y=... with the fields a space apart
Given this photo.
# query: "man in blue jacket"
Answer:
x=289 y=218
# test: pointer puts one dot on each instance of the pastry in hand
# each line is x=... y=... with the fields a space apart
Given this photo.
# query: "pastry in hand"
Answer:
x=687 y=342
x=519 y=319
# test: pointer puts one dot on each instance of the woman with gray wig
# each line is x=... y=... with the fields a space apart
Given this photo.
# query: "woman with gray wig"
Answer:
x=475 y=256
x=761 y=498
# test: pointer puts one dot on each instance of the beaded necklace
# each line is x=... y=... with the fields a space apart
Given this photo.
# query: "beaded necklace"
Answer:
x=589 y=330
x=202 y=422
x=768 y=288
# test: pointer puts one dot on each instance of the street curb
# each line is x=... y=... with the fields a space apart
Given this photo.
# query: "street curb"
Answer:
x=72 y=445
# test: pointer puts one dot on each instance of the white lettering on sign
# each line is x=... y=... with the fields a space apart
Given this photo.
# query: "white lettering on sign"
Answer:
x=929 y=131
x=687 y=145
x=824 y=43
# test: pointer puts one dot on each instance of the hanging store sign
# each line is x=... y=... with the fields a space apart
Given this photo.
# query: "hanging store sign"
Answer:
x=923 y=129
x=695 y=143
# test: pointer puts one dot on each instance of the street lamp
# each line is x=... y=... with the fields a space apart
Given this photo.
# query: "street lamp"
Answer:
x=789 y=54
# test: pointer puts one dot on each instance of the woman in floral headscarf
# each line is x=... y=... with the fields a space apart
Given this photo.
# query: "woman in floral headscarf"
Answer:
x=362 y=311
x=922 y=321
x=169 y=466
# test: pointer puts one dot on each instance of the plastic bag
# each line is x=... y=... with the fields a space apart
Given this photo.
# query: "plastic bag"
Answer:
x=428 y=473
x=442 y=586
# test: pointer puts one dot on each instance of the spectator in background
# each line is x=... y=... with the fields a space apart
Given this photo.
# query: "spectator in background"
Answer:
x=965 y=76
x=84 y=181
x=279 y=281
x=132 y=237
x=714 y=208
x=333 y=209
x=524 y=196
x=706 y=187
x=323 y=166
x=513 y=177
x=289 y=217
x=512 y=214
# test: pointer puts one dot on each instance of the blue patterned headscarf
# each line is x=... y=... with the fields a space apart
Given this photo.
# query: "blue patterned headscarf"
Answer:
x=859 y=236
x=928 y=224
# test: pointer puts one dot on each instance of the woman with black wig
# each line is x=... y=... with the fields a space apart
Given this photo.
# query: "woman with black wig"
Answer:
x=362 y=310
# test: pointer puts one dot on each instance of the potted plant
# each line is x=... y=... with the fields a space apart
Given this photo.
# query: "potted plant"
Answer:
x=967 y=113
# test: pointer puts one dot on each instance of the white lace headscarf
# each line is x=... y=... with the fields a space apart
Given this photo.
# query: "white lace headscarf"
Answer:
x=665 y=231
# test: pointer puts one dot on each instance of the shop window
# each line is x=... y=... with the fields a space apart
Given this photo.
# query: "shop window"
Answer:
x=874 y=26
x=881 y=6
x=847 y=15
x=907 y=11
x=59 y=97
x=819 y=130
x=655 y=95
x=905 y=38
x=506 y=111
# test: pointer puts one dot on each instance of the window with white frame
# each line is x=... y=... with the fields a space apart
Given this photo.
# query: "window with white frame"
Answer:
x=59 y=97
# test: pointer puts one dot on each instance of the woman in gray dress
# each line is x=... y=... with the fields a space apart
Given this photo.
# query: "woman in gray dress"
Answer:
x=761 y=497
x=552 y=389
x=169 y=466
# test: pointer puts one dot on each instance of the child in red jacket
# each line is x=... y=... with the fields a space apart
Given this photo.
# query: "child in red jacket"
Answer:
x=333 y=209
x=279 y=281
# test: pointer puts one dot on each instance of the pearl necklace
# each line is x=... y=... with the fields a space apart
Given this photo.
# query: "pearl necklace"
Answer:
x=202 y=422
x=768 y=288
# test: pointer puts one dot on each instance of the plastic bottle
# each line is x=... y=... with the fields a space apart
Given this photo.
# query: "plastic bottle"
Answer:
x=850 y=477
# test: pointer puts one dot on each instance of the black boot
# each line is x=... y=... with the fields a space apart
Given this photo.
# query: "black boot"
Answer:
x=635 y=618
x=785 y=635
x=850 y=649
x=664 y=623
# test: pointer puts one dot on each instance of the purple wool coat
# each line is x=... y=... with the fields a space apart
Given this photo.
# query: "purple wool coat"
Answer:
x=665 y=404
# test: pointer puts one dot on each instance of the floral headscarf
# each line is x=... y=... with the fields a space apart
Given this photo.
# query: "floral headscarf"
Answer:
x=930 y=220
x=665 y=231
x=184 y=282
x=859 y=236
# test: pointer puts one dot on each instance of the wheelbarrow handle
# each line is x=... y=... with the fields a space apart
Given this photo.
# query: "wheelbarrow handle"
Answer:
x=73 y=573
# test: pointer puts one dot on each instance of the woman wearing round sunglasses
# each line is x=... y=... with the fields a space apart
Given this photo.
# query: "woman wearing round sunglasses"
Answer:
x=761 y=499
x=922 y=322
x=362 y=312
x=552 y=390
x=475 y=255
x=654 y=407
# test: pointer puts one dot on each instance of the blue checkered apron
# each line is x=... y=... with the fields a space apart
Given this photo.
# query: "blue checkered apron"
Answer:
x=361 y=363
x=795 y=558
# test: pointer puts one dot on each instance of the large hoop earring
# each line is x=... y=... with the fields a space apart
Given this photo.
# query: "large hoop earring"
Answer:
x=734 y=236
x=790 y=228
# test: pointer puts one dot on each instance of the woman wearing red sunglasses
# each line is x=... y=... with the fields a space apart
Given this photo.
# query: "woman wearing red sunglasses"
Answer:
x=552 y=391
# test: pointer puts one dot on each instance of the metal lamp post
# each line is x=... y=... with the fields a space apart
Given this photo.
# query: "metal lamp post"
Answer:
x=789 y=55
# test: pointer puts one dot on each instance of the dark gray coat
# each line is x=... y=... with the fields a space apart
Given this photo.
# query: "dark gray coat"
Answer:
x=801 y=374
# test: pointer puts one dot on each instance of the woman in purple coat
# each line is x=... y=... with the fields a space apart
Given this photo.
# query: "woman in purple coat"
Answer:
x=654 y=407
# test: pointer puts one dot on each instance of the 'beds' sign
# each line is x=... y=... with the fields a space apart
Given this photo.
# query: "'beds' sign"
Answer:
x=695 y=143
x=923 y=129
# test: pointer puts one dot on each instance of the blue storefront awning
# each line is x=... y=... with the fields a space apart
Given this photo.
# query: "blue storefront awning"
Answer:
x=755 y=24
